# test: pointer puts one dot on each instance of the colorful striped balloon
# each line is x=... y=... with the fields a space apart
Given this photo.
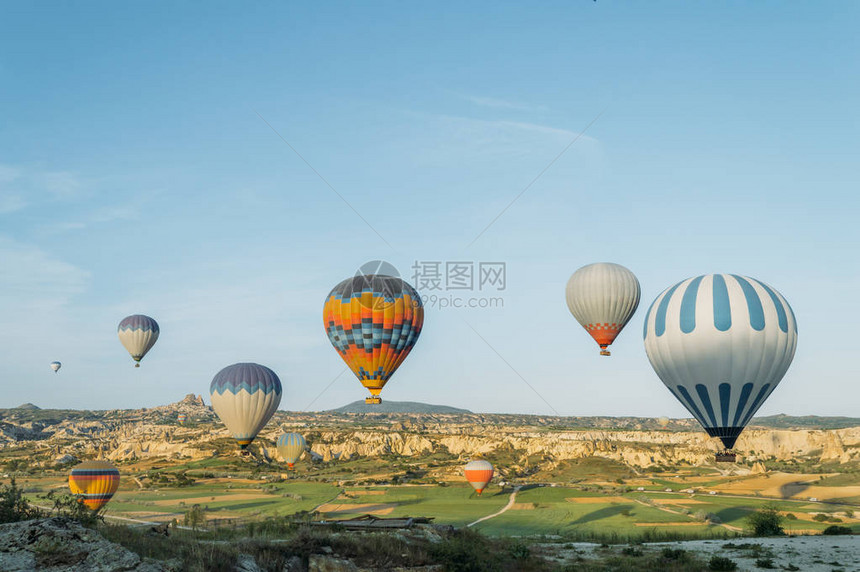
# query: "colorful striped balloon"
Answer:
x=245 y=396
x=373 y=321
x=602 y=297
x=479 y=473
x=95 y=481
x=290 y=447
x=181 y=418
x=138 y=333
x=721 y=343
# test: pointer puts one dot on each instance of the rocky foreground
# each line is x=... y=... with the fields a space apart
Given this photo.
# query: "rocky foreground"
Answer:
x=60 y=545
x=64 y=545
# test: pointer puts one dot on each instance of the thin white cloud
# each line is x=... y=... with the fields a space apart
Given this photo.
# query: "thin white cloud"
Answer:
x=62 y=185
x=498 y=103
x=11 y=202
x=22 y=188
x=31 y=277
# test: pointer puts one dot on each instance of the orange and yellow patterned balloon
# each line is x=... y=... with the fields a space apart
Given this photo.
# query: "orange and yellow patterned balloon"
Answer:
x=373 y=321
x=95 y=481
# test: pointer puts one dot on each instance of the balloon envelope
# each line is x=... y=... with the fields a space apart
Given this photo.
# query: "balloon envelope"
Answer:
x=479 y=473
x=96 y=481
x=55 y=365
x=245 y=396
x=138 y=333
x=602 y=297
x=290 y=447
x=721 y=343
x=663 y=421
x=181 y=418
x=373 y=321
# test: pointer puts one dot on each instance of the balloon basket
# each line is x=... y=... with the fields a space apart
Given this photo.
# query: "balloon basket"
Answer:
x=373 y=400
x=136 y=365
x=605 y=353
x=726 y=456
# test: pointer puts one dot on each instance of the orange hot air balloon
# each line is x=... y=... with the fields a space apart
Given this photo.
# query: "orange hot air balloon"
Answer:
x=479 y=473
x=96 y=481
x=373 y=321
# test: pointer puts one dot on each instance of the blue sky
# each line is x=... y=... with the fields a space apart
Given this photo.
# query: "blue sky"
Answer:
x=139 y=173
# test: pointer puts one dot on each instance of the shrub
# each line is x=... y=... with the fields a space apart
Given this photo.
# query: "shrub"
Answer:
x=835 y=529
x=672 y=553
x=13 y=506
x=765 y=563
x=70 y=506
x=722 y=563
x=766 y=521
x=790 y=516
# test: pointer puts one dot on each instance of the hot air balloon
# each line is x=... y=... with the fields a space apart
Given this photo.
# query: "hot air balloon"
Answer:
x=245 y=396
x=479 y=473
x=721 y=343
x=602 y=297
x=138 y=334
x=663 y=422
x=373 y=321
x=290 y=447
x=181 y=418
x=95 y=481
x=55 y=365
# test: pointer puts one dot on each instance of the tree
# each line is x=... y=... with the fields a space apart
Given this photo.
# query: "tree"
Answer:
x=766 y=521
x=194 y=517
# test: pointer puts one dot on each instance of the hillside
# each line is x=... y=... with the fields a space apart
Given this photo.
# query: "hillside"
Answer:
x=397 y=407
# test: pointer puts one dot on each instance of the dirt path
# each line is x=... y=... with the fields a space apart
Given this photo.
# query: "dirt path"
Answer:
x=682 y=515
x=504 y=509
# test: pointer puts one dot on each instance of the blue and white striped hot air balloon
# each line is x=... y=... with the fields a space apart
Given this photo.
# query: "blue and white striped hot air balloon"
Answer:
x=138 y=333
x=290 y=447
x=721 y=343
x=245 y=396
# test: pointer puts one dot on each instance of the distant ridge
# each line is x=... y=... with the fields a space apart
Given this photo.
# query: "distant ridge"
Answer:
x=783 y=421
x=28 y=406
x=396 y=407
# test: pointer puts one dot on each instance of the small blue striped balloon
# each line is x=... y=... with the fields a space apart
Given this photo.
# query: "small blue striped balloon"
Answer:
x=721 y=343
x=290 y=447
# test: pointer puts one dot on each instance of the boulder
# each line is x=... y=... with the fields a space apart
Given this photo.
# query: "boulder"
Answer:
x=64 y=545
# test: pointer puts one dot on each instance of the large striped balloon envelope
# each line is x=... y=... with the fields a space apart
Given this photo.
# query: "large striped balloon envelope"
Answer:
x=721 y=343
x=373 y=321
x=245 y=396
x=479 y=473
x=95 y=481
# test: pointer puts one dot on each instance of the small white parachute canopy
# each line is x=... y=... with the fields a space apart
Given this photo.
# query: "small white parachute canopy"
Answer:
x=721 y=343
x=603 y=297
x=55 y=365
